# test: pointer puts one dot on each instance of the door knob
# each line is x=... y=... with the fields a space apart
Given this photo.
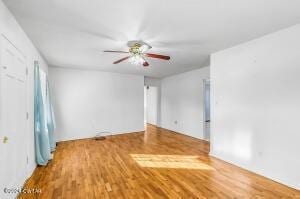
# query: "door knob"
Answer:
x=5 y=139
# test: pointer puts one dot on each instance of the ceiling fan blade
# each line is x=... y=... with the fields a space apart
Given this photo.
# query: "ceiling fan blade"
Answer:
x=145 y=64
x=164 y=57
x=114 y=51
x=120 y=60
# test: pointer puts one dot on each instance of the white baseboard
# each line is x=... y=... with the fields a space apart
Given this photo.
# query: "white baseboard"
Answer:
x=294 y=185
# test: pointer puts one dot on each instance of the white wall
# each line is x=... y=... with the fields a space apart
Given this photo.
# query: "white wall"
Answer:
x=152 y=104
x=87 y=102
x=256 y=106
x=182 y=101
x=14 y=33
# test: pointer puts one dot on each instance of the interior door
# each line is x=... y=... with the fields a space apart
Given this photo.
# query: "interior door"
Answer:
x=152 y=104
x=13 y=149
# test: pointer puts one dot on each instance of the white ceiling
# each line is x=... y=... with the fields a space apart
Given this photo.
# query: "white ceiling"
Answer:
x=73 y=33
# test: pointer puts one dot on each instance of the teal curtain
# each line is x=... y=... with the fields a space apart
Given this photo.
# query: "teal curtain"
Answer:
x=44 y=140
x=50 y=119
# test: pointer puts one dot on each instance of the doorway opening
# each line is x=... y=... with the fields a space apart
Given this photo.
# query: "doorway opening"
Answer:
x=206 y=105
x=150 y=105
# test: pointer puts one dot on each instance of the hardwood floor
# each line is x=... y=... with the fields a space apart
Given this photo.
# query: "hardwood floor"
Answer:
x=155 y=164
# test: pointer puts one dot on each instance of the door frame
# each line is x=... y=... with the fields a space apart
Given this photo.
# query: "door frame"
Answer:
x=204 y=83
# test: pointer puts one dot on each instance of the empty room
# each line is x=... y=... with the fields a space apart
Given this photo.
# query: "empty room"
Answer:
x=149 y=99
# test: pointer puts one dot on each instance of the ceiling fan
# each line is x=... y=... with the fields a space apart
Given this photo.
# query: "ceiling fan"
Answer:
x=137 y=53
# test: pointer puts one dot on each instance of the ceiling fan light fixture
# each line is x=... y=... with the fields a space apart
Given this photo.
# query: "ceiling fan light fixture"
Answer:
x=144 y=48
x=136 y=60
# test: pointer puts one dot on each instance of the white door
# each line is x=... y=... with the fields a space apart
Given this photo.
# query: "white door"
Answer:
x=152 y=103
x=13 y=149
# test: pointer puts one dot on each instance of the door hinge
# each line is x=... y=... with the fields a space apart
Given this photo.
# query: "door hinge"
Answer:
x=27 y=159
x=27 y=115
x=26 y=71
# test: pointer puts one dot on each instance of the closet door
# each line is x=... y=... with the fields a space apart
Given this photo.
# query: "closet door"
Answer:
x=13 y=148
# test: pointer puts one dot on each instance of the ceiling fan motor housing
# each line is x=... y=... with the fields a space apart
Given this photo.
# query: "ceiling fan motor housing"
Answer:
x=135 y=47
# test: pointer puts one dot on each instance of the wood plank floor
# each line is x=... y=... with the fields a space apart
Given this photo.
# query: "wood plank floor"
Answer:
x=155 y=164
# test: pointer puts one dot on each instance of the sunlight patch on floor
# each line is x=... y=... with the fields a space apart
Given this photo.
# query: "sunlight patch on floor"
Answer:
x=170 y=161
